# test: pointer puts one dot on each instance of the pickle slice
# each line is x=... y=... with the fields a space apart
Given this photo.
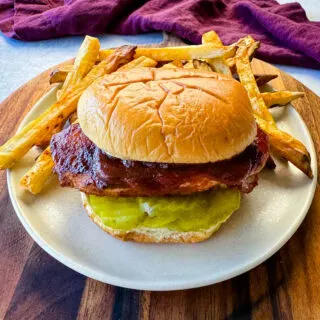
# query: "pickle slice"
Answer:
x=180 y=213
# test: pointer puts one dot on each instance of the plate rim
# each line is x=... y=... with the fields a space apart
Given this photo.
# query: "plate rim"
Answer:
x=164 y=285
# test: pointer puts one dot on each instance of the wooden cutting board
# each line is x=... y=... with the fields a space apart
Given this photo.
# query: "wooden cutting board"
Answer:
x=35 y=285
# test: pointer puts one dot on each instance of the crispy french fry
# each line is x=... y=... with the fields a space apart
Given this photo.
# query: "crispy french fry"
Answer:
x=139 y=62
x=34 y=180
x=36 y=177
x=85 y=60
x=251 y=45
x=282 y=143
x=105 y=53
x=181 y=53
x=211 y=37
x=287 y=147
x=217 y=64
x=59 y=74
x=261 y=79
x=16 y=147
x=173 y=65
x=247 y=79
x=252 y=48
x=280 y=98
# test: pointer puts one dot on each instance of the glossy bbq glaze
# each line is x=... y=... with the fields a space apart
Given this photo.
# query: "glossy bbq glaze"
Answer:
x=82 y=165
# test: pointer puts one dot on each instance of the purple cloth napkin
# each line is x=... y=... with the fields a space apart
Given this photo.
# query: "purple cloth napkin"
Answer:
x=287 y=36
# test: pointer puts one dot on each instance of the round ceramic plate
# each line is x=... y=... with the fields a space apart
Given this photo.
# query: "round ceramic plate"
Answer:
x=267 y=219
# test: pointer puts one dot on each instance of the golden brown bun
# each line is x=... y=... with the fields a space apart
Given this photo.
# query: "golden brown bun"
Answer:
x=149 y=235
x=168 y=115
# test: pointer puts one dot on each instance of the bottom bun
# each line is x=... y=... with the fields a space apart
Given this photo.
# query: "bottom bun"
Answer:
x=152 y=235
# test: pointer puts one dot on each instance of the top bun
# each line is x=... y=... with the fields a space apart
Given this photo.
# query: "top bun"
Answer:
x=168 y=115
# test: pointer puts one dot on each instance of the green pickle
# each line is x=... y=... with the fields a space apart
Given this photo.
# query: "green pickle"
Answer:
x=180 y=213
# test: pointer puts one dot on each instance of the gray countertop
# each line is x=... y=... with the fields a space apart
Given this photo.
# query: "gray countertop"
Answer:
x=22 y=61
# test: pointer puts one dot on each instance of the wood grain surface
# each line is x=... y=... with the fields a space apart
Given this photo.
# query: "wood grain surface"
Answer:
x=34 y=285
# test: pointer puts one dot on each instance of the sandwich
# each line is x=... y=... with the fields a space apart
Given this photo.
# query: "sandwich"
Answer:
x=161 y=155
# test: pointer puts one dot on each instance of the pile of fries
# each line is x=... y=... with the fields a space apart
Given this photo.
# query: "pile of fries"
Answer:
x=92 y=63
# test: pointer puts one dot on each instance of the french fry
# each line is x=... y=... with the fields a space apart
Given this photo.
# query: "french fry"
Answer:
x=181 y=53
x=251 y=45
x=105 y=53
x=173 y=65
x=59 y=74
x=247 y=79
x=204 y=51
x=280 y=98
x=287 y=147
x=261 y=79
x=34 y=180
x=211 y=37
x=36 y=177
x=85 y=60
x=16 y=147
x=220 y=66
x=252 y=48
x=139 y=62
x=217 y=64
x=282 y=143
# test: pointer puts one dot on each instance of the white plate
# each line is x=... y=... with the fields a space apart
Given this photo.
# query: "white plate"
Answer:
x=267 y=219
